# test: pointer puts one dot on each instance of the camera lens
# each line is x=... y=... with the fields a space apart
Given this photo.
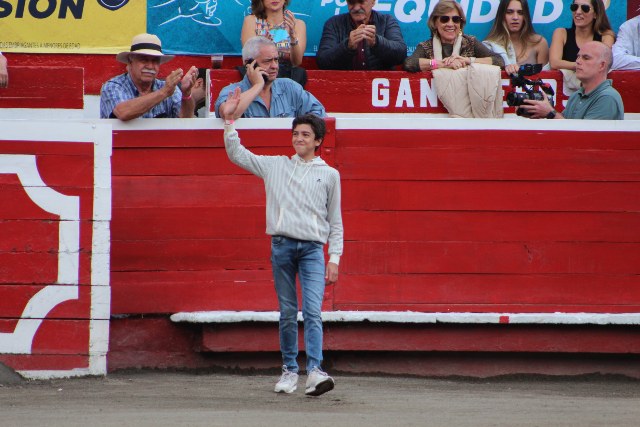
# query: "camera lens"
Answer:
x=515 y=99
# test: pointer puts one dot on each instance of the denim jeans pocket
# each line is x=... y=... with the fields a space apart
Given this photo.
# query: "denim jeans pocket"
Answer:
x=276 y=240
x=319 y=245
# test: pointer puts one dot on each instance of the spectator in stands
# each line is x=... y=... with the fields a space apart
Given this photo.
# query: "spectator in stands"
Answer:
x=271 y=19
x=199 y=93
x=362 y=39
x=4 y=74
x=263 y=94
x=590 y=23
x=448 y=46
x=596 y=99
x=626 y=50
x=303 y=213
x=513 y=37
x=138 y=92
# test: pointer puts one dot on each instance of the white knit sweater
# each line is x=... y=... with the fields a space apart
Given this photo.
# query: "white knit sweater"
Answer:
x=303 y=198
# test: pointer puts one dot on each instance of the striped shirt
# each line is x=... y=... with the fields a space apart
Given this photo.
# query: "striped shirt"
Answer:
x=303 y=198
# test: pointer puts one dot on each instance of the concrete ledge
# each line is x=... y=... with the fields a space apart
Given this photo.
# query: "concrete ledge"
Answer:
x=417 y=317
x=8 y=376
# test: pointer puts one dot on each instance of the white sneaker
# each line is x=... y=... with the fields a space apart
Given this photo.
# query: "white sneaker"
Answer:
x=288 y=382
x=318 y=383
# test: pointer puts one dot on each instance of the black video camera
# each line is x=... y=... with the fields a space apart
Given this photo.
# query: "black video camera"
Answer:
x=530 y=88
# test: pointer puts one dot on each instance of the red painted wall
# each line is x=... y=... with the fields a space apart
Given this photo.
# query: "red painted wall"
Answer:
x=54 y=278
x=435 y=221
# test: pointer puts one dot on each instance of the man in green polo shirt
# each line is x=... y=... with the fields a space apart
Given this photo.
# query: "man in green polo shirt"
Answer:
x=596 y=99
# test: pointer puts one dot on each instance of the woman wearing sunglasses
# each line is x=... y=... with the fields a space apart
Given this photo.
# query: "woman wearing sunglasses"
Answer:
x=590 y=23
x=448 y=46
x=513 y=37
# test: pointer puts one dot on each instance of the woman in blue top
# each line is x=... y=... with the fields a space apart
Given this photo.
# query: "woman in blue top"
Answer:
x=271 y=19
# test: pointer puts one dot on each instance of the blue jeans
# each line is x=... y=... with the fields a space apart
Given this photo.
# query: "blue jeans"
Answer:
x=288 y=258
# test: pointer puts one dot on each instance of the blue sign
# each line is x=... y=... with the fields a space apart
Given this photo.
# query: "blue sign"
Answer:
x=205 y=27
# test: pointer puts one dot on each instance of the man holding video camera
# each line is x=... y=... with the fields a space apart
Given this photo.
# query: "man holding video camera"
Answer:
x=263 y=94
x=595 y=100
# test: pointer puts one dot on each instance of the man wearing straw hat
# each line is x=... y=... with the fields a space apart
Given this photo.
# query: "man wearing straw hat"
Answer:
x=139 y=93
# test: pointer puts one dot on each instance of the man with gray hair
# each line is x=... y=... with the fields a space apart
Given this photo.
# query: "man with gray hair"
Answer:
x=595 y=100
x=263 y=94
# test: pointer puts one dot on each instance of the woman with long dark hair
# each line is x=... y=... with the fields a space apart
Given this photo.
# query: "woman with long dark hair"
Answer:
x=590 y=23
x=513 y=37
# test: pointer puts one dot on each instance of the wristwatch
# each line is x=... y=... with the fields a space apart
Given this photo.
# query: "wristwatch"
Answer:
x=552 y=114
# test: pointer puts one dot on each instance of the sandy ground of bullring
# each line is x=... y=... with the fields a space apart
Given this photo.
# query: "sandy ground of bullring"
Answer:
x=155 y=398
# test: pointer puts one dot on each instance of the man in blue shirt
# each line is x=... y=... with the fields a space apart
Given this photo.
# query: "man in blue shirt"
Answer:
x=596 y=99
x=138 y=93
x=263 y=94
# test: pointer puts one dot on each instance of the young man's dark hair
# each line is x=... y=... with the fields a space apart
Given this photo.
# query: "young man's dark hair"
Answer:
x=317 y=125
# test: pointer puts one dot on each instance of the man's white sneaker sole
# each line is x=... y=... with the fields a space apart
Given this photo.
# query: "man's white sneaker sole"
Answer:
x=320 y=388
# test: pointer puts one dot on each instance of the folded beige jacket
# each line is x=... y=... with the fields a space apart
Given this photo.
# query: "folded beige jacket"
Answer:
x=473 y=91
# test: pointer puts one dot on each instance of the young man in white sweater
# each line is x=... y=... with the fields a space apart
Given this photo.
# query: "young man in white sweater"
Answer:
x=303 y=213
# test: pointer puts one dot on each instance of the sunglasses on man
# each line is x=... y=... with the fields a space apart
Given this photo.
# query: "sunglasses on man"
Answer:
x=585 y=7
x=444 y=19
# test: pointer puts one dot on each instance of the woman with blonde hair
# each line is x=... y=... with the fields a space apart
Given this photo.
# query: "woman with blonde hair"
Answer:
x=467 y=72
x=448 y=46
x=513 y=37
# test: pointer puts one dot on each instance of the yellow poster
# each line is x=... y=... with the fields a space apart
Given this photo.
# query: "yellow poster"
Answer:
x=70 y=26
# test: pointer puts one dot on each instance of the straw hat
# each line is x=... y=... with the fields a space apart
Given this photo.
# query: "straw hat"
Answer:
x=145 y=44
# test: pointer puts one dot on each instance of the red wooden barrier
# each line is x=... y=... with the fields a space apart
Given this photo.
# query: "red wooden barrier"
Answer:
x=469 y=220
x=60 y=81
x=38 y=87
x=402 y=92
x=511 y=216
x=97 y=68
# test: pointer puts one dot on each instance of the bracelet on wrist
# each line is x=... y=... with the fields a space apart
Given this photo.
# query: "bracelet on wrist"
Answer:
x=295 y=42
x=184 y=98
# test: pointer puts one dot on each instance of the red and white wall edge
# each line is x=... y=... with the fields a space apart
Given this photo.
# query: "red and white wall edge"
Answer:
x=55 y=212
